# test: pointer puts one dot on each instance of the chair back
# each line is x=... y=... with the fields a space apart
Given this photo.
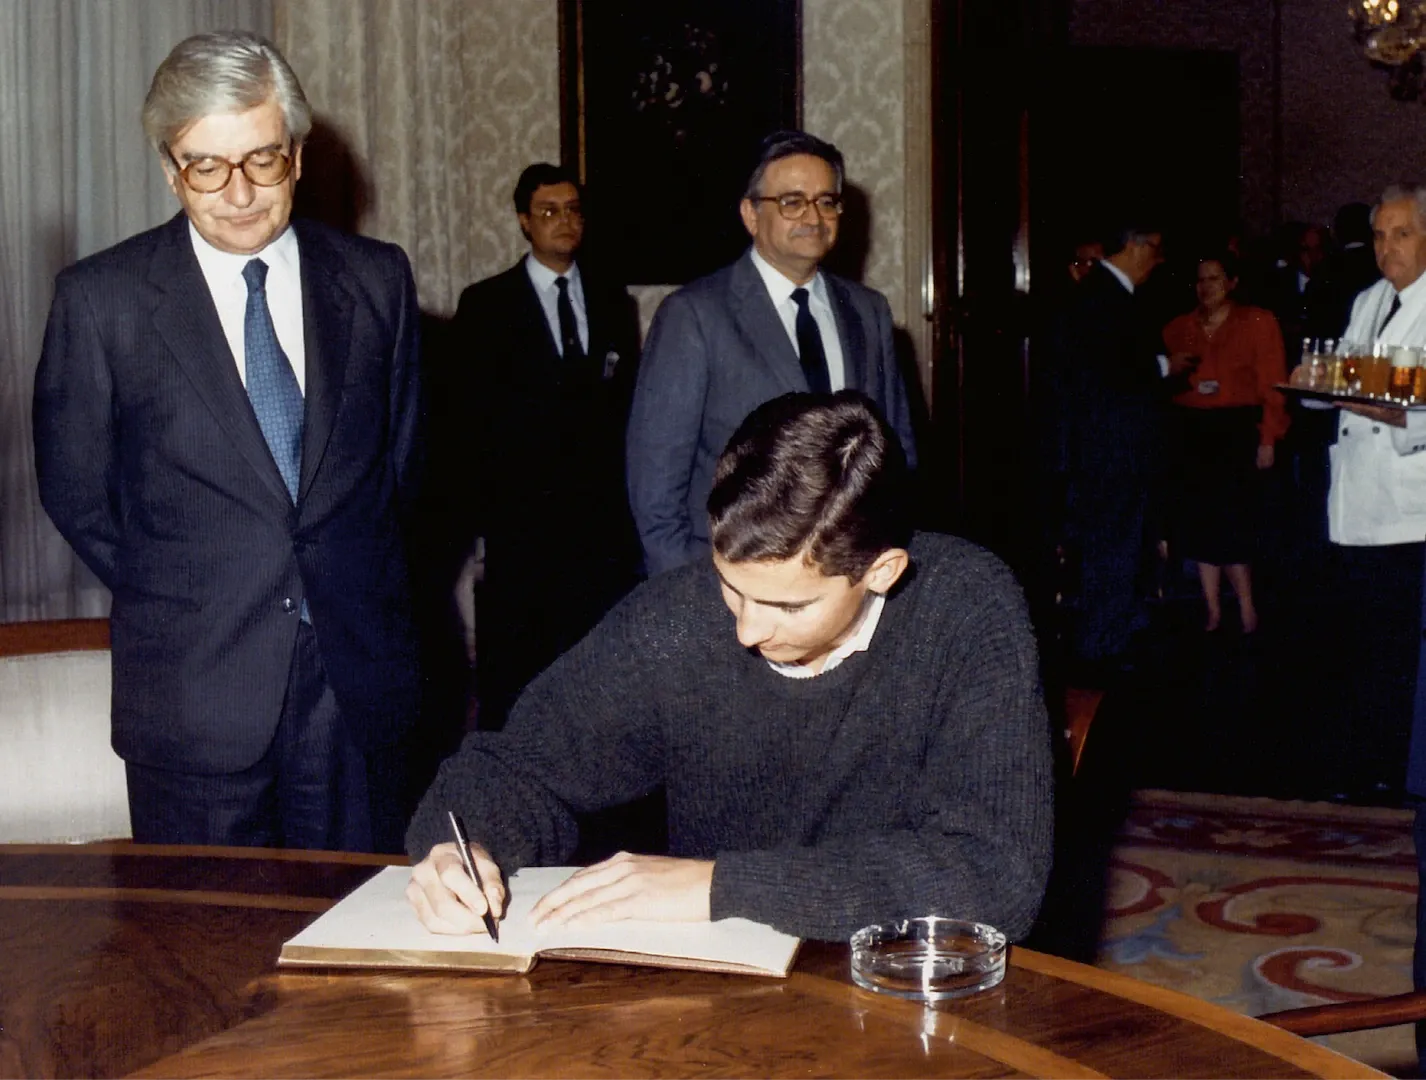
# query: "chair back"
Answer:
x=60 y=780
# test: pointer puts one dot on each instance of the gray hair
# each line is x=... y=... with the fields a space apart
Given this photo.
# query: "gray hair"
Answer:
x=1131 y=232
x=1402 y=192
x=224 y=71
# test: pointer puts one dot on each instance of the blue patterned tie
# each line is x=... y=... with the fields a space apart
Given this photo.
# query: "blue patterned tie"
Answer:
x=571 y=348
x=272 y=386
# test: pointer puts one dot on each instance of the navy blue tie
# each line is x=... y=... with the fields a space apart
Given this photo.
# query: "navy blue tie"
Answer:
x=272 y=386
x=809 y=346
x=570 y=346
x=1390 y=312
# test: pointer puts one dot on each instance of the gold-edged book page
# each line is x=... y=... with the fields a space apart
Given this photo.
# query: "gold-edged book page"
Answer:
x=424 y=959
x=374 y=926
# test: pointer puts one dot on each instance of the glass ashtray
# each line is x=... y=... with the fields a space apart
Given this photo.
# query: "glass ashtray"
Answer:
x=928 y=959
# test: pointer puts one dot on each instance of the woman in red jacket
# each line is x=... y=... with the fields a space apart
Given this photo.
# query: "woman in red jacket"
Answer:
x=1230 y=418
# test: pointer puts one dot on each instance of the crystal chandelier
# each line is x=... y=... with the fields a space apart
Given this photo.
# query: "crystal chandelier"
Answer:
x=1392 y=34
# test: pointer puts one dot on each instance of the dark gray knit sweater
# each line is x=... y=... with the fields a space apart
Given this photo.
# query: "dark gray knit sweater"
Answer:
x=912 y=779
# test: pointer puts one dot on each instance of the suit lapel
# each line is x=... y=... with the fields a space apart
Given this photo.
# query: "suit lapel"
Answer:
x=851 y=332
x=758 y=322
x=187 y=320
x=531 y=313
x=327 y=334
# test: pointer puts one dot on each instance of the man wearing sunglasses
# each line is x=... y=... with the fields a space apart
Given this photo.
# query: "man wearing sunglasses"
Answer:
x=773 y=322
x=225 y=412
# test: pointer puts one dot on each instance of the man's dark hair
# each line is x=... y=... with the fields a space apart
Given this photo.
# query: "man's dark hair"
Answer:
x=538 y=175
x=1353 y=224
x=784 y=144
x=1121 y=236
x=820 y=475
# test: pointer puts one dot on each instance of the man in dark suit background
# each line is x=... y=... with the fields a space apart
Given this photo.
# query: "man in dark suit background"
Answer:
x=1298 y=287
x=225 y=421
x=770 y=323
x=550 y=351
x=1107 y=389
x=1351 y=267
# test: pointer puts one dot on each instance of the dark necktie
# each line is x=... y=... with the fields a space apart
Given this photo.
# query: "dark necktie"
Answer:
x=570 y=347
x=809 y=346
x=1391 y=312
x=272 y=386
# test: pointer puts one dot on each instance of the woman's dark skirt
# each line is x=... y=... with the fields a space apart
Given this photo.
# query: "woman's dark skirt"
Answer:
x=1217 y=518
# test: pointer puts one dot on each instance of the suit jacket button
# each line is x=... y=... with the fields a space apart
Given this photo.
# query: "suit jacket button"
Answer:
x=287 y=605
x=1376 y=430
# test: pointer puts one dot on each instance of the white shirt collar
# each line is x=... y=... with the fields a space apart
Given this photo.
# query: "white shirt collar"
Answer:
x=544 y=278
x=1123 y=277
x=860 y=641
x=780 y=286
x=222 y=265
x=1412 y=291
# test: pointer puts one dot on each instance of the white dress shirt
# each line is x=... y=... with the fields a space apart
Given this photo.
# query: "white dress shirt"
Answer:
x=1378 y=492
x=860 y=641
x=779 y=289
x=1124 y=279
x=543 y=279
x=224 y=274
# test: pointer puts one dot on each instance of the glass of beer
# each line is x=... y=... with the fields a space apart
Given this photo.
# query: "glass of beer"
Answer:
x=1308 y=374
x=1302 y=374
x=1376 y=371
x=1405 y=361
x=1317 y=356
x=1336 y=373
x=1356 y=352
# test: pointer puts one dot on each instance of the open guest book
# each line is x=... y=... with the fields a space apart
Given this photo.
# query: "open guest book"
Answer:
x=375 y=927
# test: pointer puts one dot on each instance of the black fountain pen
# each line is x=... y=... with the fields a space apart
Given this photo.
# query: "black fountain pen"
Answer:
x=463 y=842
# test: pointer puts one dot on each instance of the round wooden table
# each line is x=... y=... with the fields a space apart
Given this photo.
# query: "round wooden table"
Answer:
x=116 y=959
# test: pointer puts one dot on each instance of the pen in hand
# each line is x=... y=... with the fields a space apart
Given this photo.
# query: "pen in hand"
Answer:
x=463 y=843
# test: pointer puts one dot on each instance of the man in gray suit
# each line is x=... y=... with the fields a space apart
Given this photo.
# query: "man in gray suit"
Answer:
x=770 y=323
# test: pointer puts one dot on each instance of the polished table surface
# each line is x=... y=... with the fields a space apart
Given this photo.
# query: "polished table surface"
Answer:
x=119 y=959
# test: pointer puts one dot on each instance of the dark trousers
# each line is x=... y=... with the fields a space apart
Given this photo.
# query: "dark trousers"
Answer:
x=534 y=605
x=1418 y=954
x=1373 y=646
x=1106 y=522
x=313 y=788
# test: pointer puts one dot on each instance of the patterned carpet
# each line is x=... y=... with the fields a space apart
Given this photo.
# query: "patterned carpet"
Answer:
x=1260 y=905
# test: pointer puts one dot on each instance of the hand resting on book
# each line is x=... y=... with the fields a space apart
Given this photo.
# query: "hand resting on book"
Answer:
x=446 y=899
x=626 y=886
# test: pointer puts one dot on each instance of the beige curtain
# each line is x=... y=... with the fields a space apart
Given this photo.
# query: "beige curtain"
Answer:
x=75 y=176
x=436 y=105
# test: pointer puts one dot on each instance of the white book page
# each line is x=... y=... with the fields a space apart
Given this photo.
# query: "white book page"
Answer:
x=377 y=916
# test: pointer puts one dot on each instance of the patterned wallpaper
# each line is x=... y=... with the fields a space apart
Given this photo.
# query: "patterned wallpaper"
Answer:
x=441 y=103
x=854 y=94
x=1343 y=137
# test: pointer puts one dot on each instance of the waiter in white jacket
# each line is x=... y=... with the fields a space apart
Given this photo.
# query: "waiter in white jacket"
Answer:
x=1376 y=514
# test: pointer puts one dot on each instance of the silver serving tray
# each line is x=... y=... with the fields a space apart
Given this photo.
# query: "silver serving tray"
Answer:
x=1349 y=399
